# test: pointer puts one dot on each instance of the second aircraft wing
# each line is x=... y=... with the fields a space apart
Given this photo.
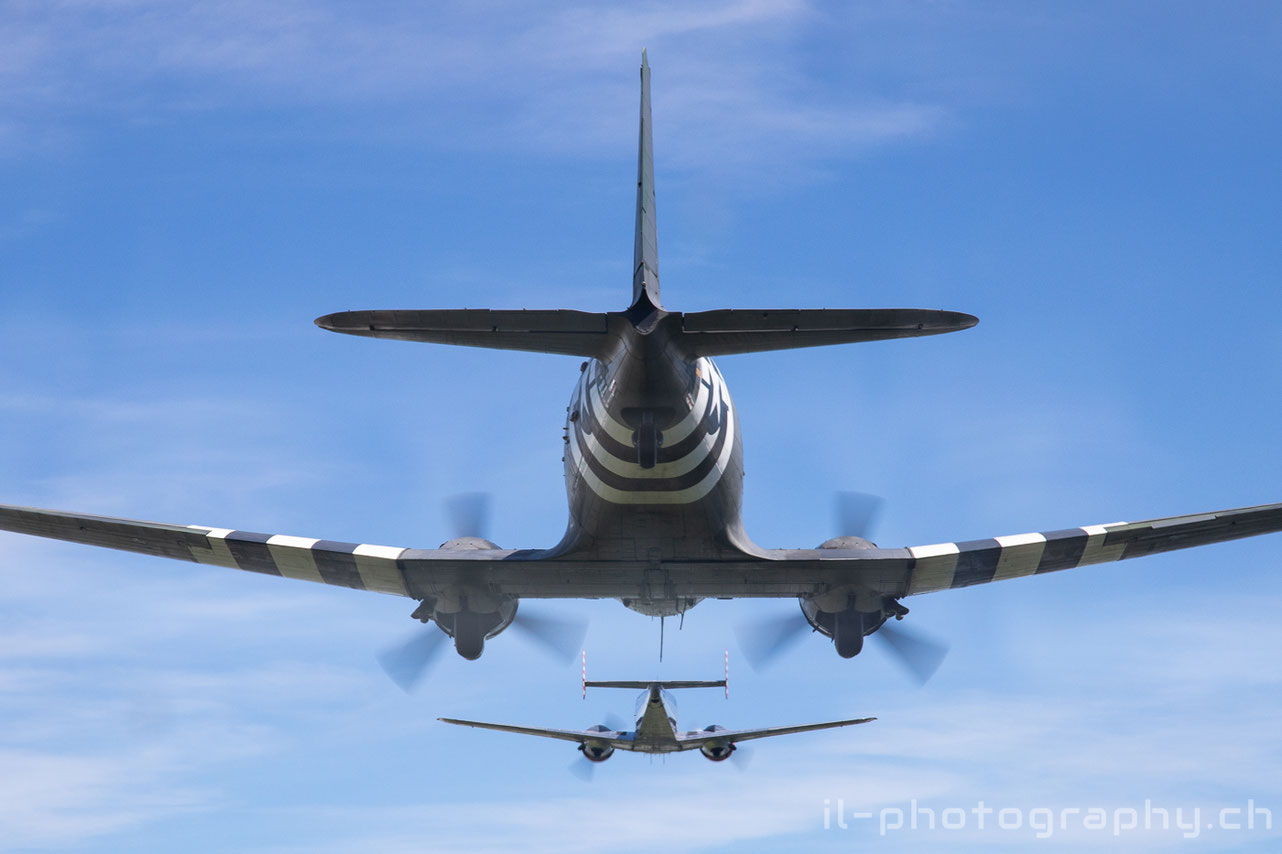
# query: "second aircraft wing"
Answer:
x=622 y=740
x=732 y=736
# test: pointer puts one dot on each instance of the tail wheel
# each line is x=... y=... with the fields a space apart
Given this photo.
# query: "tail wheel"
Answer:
x=647 y=439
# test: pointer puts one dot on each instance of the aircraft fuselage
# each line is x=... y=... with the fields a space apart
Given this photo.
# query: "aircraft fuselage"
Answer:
x=653 y=456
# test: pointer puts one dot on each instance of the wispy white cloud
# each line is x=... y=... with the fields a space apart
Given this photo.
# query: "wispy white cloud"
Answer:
x=1139 y=729
x=147 y=454
x=559 y=79
x=129 y=684
x=705 y=807
x=56 y=800
x=86 y=754
x=954 y=751
x=116 y=718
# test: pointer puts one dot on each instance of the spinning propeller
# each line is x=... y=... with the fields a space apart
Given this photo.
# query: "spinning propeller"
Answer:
x=408 y=662
x=917 y=654
x=583 y=767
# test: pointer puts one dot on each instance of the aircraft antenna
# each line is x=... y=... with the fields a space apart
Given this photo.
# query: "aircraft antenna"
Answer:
x=661 y=638
x=585 y=674
x=727 y=674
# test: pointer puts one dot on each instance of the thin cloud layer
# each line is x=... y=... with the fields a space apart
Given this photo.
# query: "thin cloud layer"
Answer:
x=233 y=169
x=557 y=80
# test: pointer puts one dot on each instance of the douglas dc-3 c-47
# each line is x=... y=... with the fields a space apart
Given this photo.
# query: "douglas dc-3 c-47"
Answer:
x=654 y=480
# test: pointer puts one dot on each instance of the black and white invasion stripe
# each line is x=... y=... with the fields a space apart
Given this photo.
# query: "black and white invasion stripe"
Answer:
x=947 y=565
x=359 y=566
x=691 y=461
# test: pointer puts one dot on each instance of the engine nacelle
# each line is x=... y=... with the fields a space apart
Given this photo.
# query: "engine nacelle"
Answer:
x=469 y=617
x=597 y=751
x=716 y=751
x=849 y=626
x=462 y=544
x=848 y=542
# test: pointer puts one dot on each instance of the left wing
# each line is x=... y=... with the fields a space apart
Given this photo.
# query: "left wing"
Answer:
x=361 y=566
x=731 y=736
x=623 y=740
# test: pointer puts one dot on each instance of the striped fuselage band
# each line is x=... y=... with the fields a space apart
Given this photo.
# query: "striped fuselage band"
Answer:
x=691 y=460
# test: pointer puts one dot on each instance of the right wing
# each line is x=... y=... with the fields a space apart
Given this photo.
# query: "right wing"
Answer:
x=950 y=565
x=945 y=566
x=700 y=738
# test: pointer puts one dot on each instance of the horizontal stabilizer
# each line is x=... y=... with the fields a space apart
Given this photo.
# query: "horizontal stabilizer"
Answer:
x=570 y=333
x=667 y=686
x=737 y=330
x=590 y=334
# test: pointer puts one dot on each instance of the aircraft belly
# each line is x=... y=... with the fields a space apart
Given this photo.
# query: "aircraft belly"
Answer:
x=683 y=504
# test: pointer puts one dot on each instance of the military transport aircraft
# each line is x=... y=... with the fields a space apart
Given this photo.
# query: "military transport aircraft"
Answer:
x=656 y=726
x=654 y=476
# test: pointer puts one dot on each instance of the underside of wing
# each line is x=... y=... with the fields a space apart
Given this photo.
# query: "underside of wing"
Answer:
x=531 y=573
x=943 y=566
x=733 y=736
x=424 y=573
x=948 y=565
x=361 y=566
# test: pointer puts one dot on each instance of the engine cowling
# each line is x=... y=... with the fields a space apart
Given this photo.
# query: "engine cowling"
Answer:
x=717 y=751
x=471 y=623
x=469 y=616
x=848 y=542
x=849 y=626
x=597 y=751
x=462 y=544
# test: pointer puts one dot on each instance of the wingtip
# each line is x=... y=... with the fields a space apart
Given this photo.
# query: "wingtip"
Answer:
x=328 y=322
x=644 y=61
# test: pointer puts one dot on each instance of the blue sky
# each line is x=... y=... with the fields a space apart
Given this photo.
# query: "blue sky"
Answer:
x=183 y=187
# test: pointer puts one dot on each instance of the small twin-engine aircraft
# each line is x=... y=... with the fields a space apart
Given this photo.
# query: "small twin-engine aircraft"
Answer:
x=654 y=478
x=656 y=726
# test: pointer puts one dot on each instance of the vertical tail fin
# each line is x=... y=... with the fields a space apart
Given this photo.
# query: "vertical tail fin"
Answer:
x=645 y=258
